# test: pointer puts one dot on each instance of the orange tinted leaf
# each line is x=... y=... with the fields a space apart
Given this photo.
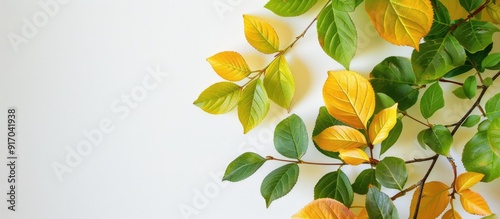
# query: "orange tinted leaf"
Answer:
x=353 y=156
x=349 y=97
x=434 y=200
x=260 y=34
x=382 y=124
x=229 y=65
x=474 y=203
x=363 y=214
x=324 y=208
x=401 y=22
x=467 y=180
x=451 y=214
x=339 y=137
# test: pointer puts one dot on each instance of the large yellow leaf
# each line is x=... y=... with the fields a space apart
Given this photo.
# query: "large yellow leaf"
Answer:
x=474 y=203
x=260 y=34
x=353 y=156
x=382 y=124
x=401 y=22
x=434 y=200
x=229 y=65
x=467 y=180
x=349 y=97
x=325 y=208
x=451 y=214
x=339 y=137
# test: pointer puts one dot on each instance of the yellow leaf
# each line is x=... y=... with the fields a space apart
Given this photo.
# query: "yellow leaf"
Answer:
x=260 y=34
x=467 y=180
x=492 y=13
x=401 y=22
x=474 y=203
x=455 y=9
x=324 y=208
x=349 y=97
x=353 y=156
x=363 y=214
x=339 y=137
x=382 y=124
x=434 y=200
x=229 y=65
x=451 y=214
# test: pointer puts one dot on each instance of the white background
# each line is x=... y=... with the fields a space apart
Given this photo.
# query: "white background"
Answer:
x=166 y=154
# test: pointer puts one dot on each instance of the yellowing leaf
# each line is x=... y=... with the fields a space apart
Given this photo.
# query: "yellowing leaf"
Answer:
x=279 y=82
x=363 y=214
x=467 y=180
x=229 y=65
x=261 y=35
x=354 y=156
x=324 y=208
x=474 y=203
x=349 y=97
x=492 y=13
x=434 y=200
x=219 y=98
x=401 y=22
x=455 y=9
x=451 y=214
x=339 y=137
x=253 y=106
x=382 y=124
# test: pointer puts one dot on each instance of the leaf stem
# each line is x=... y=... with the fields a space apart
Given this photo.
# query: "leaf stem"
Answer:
x=455 y=175
x=450 y=81
x=403 y=192
x=415 y=119
x=471 y=15
x=422 y=182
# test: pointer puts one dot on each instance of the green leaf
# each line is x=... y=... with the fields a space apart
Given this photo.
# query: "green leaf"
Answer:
x=470 y=5
x=420 y=139
x=391 y=173
x=492 y=216
x=364 y=180
x=253 y=106
x=323 y=121
x=460 y=93
x=279 y=182
x=219 y=98
x=439 y=139
x=436 y=58
x=392 y=138
x=382 y=101
x=290 y=8
x=243 y=166
x=484 y=125
x=337 y=35
x=488 y=81
x=492 y=61
x=479 y=157
x=405 y=95
x=492 y=107
x=290 y=137
x=279 y=82
x=379 y=205
x=493 y=134
x=475 y=35
x=346 y=5
x=335 y=185
x=442 y=22
x=474 y=60
x=471 y=121
x=432 y=100
x=470 y=86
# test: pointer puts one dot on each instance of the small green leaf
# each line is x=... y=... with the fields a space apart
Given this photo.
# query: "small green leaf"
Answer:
x=471 y=121
x=243 y=166
x=436 y=58
x=290 y=8
x=335 y=185
x=460 y=93
x=392 y=137
x=492 y=61
x=279 y=182
x=391 y=173
x=379 y=205
x=290 y=137
x=382 y=101
x=484 y=125
x=439 y=139
x=493 y=134
x=479 y=157
x=323 y=121
x=492 y=107
x=488 y=81
x=337 y=35
x=253 y=106
x=470 y=5
x=219 y=98
x=346 y=5
x=442 y=22
x=473 y=61
x=432 y=100
x=470 y=86
x=364 y=180
x=279 y=82
x=475 y=35
x=420 y=139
